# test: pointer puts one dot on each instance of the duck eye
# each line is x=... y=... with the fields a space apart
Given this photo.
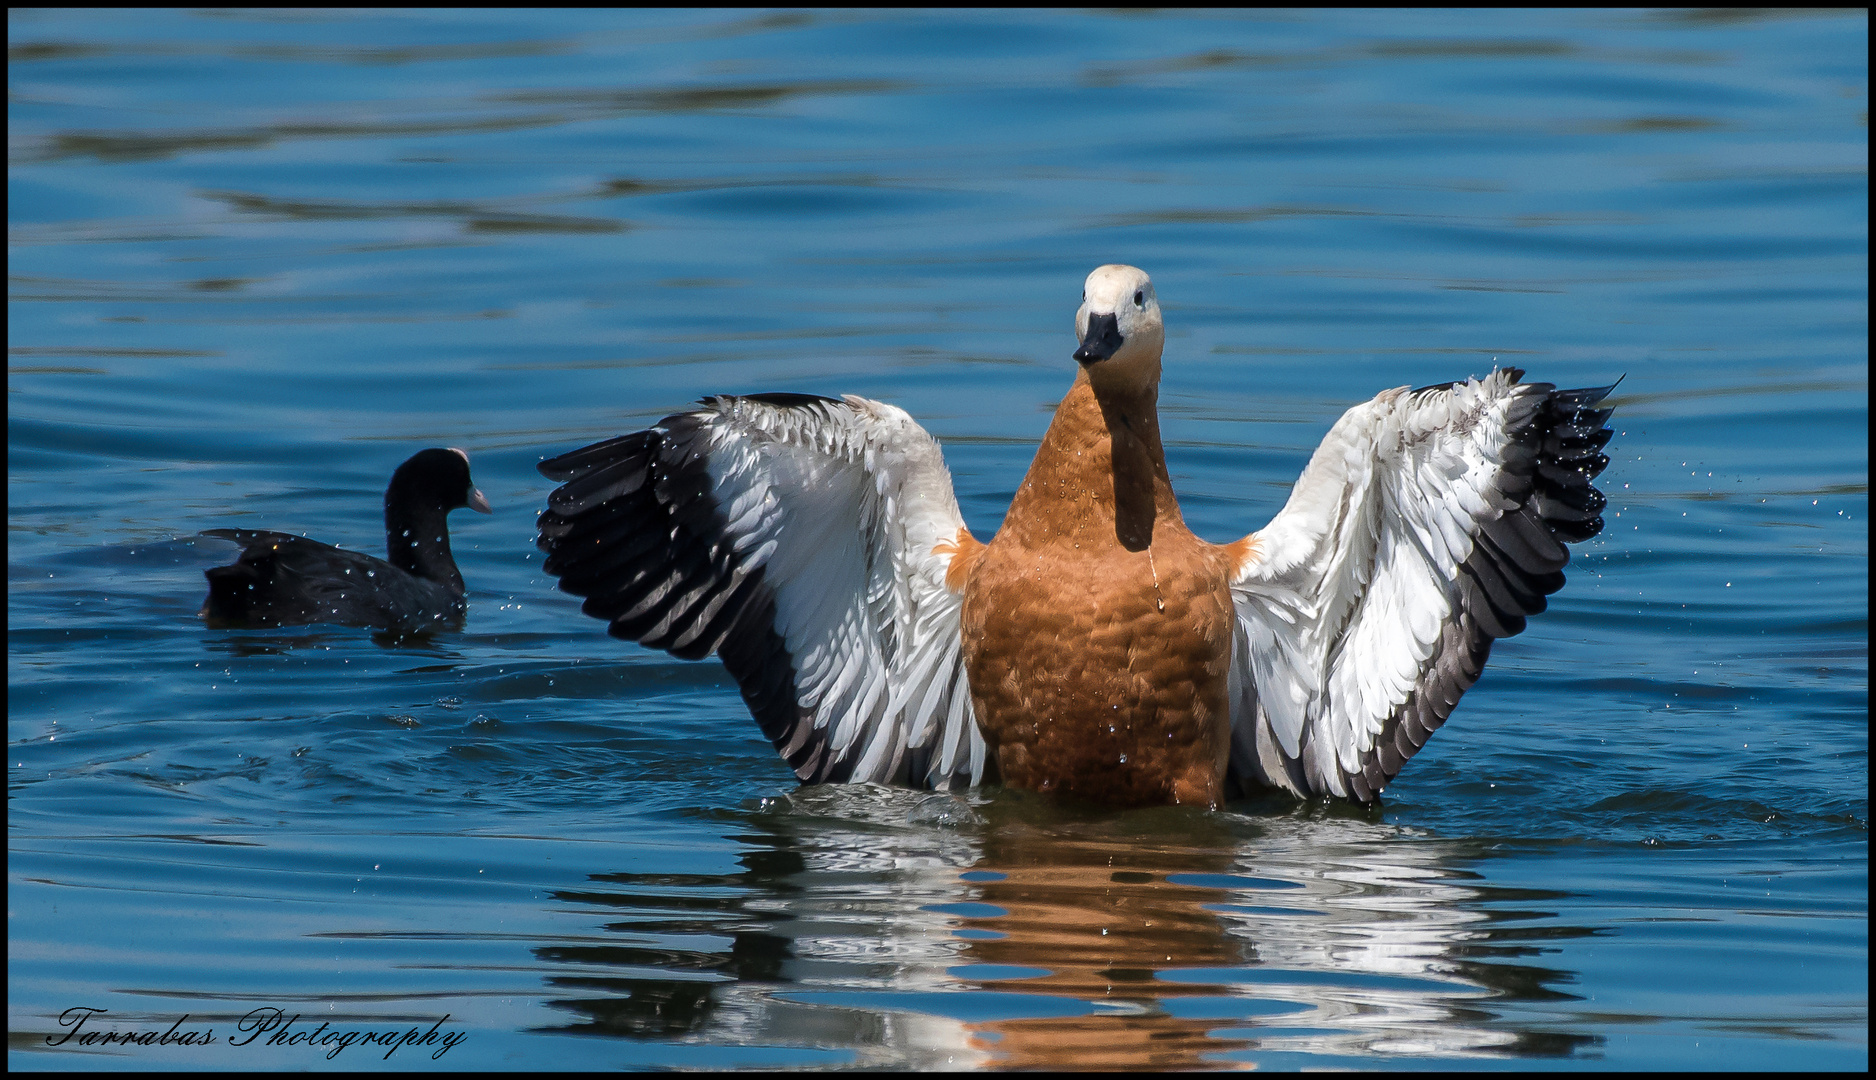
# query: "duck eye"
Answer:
x=1139 y=299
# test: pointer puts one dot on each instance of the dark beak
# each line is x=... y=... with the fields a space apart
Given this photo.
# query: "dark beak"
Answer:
x=1102 y=339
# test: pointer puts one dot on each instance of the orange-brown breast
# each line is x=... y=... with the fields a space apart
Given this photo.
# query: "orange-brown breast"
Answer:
x=1098 y=641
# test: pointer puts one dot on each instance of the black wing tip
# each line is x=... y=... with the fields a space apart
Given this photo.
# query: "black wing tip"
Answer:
x=1516 y=375
x=782 y=399
x=1575 y=532
x=574 y=463
x=1584 y=397
x=1570 y=460
x=635 y=530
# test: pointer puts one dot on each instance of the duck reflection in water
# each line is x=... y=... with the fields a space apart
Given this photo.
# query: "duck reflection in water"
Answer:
x=890 y=921
x=1102 y=910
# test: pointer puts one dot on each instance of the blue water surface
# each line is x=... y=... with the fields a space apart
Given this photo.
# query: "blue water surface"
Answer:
x=258 y=258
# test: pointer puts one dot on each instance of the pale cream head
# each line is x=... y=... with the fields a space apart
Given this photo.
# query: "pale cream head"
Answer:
x=1119 y=329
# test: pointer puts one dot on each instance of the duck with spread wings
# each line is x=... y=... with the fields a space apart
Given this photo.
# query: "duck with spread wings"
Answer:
x=1094 y=647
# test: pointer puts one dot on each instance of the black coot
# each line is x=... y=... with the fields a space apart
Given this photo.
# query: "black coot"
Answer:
x=284 y=580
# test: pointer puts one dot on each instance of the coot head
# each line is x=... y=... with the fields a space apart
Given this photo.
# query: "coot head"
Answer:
x=436 y=478
x=423 y=491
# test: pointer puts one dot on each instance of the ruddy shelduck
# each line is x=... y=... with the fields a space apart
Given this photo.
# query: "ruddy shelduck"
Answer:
x=1094 y=647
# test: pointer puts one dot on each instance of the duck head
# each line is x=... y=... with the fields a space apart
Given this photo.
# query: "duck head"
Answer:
x=1119 y=330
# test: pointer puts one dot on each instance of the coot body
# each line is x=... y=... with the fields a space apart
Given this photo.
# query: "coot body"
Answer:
x=287 y=580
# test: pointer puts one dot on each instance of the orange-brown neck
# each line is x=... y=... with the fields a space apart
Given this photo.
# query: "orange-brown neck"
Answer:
x=1100 y=474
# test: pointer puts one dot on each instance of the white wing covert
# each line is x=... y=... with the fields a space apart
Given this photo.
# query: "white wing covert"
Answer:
x=805 y=540
x=1427 y=524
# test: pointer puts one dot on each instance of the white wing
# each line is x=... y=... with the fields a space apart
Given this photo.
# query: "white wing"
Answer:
x=806 y=542
x=1426 y=525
